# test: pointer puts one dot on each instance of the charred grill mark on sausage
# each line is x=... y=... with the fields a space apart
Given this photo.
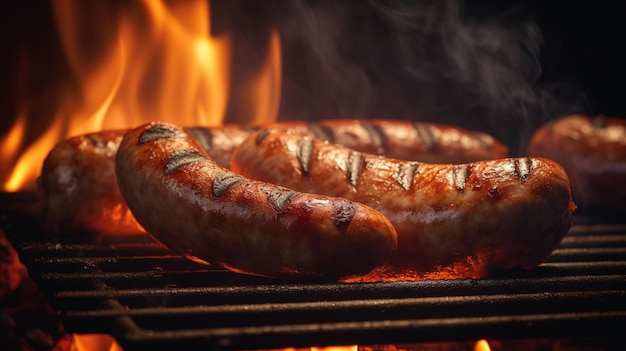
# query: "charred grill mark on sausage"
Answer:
x=406 y=174
x=182 y=158
x=305 y=153
x=483 y=139
x=459 y=175
x=159 y=132
x=426 y=136
x=354 y=165
x=224 y=181
x=203 y=136
x=281 y=198
x=376 y=135
x=599 y=122
x=344 y=213
x=523 y=167
x=96 y=141
x=261 y=136
x=321 y=132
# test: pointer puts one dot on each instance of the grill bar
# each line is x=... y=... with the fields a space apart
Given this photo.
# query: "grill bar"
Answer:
x=150 y=298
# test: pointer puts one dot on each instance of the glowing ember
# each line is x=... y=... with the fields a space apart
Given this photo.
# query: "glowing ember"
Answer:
x=335 y=348
x=95 y=342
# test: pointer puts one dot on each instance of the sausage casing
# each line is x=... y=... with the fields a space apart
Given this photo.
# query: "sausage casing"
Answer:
x=452 y=221
x=81 y=196
x=593 y=151
x=405 y=140
x=212 y=215
x=79 y=188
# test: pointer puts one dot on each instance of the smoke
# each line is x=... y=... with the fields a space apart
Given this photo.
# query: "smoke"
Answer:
x=476 y=65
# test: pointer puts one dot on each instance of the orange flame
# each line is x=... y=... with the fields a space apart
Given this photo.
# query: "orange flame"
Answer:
x=482 y=345
x=264 y=89
x=335 y=348
x=94 y=342
x=134 y=63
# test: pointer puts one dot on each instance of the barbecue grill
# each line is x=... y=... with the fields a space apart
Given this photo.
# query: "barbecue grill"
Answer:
x=147 y=297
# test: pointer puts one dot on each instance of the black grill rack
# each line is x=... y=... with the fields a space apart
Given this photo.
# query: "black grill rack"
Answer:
x=149 y=298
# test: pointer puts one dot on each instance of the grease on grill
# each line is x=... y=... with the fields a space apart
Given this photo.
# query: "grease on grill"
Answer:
x=182 y=158
x=224 y=182
x=406 y=174
x=158 y=133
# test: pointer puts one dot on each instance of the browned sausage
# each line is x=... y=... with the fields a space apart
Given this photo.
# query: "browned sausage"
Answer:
x=453 y=221
x=405 y=140
x=593 y=152
x=80 y=192
x=79 y=187
x=210 y=214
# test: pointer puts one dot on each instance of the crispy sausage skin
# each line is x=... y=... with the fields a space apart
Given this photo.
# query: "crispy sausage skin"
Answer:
x=212 y=215
x=592 y=149
x=80 y=192
x=405 y=140
x=79 y=188
x=453 y=221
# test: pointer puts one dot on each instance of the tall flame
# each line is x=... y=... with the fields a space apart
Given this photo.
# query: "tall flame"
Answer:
x=131 y=63
x=264 y=89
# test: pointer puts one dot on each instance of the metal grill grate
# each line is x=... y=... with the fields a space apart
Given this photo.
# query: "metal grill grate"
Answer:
x=149 y=298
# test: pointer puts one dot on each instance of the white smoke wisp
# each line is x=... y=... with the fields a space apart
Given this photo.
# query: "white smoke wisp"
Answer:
x=446 y=61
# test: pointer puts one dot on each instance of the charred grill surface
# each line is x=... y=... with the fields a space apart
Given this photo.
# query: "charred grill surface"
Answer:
x=149 y=298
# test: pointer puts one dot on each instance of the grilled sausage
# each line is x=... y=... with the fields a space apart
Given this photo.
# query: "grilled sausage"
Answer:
x=80 y=192
x=453 y=221
x=593 y=152
x=405 y=140
x=79 y=187
x=212 y=215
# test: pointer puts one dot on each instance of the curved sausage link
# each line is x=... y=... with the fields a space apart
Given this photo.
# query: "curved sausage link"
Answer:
x=593 y=151
x=405 y=140
x=79 y=188
x=81 y=196
x=452 y=220
x=212 y=215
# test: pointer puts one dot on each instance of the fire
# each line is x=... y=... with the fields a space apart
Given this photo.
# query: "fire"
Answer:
x=94 y=342
x=482 y=345
x=336 y=348
x=132 y=63
x=264 y=91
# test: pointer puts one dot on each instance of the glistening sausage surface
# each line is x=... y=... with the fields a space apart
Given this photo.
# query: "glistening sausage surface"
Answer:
x=405 y=140
x=453 y=221
x=593 y=151
x=210 y=214
x=81 y=196
x=79 y=188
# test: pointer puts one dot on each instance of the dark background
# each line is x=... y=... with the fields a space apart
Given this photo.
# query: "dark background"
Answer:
x=351 y=61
